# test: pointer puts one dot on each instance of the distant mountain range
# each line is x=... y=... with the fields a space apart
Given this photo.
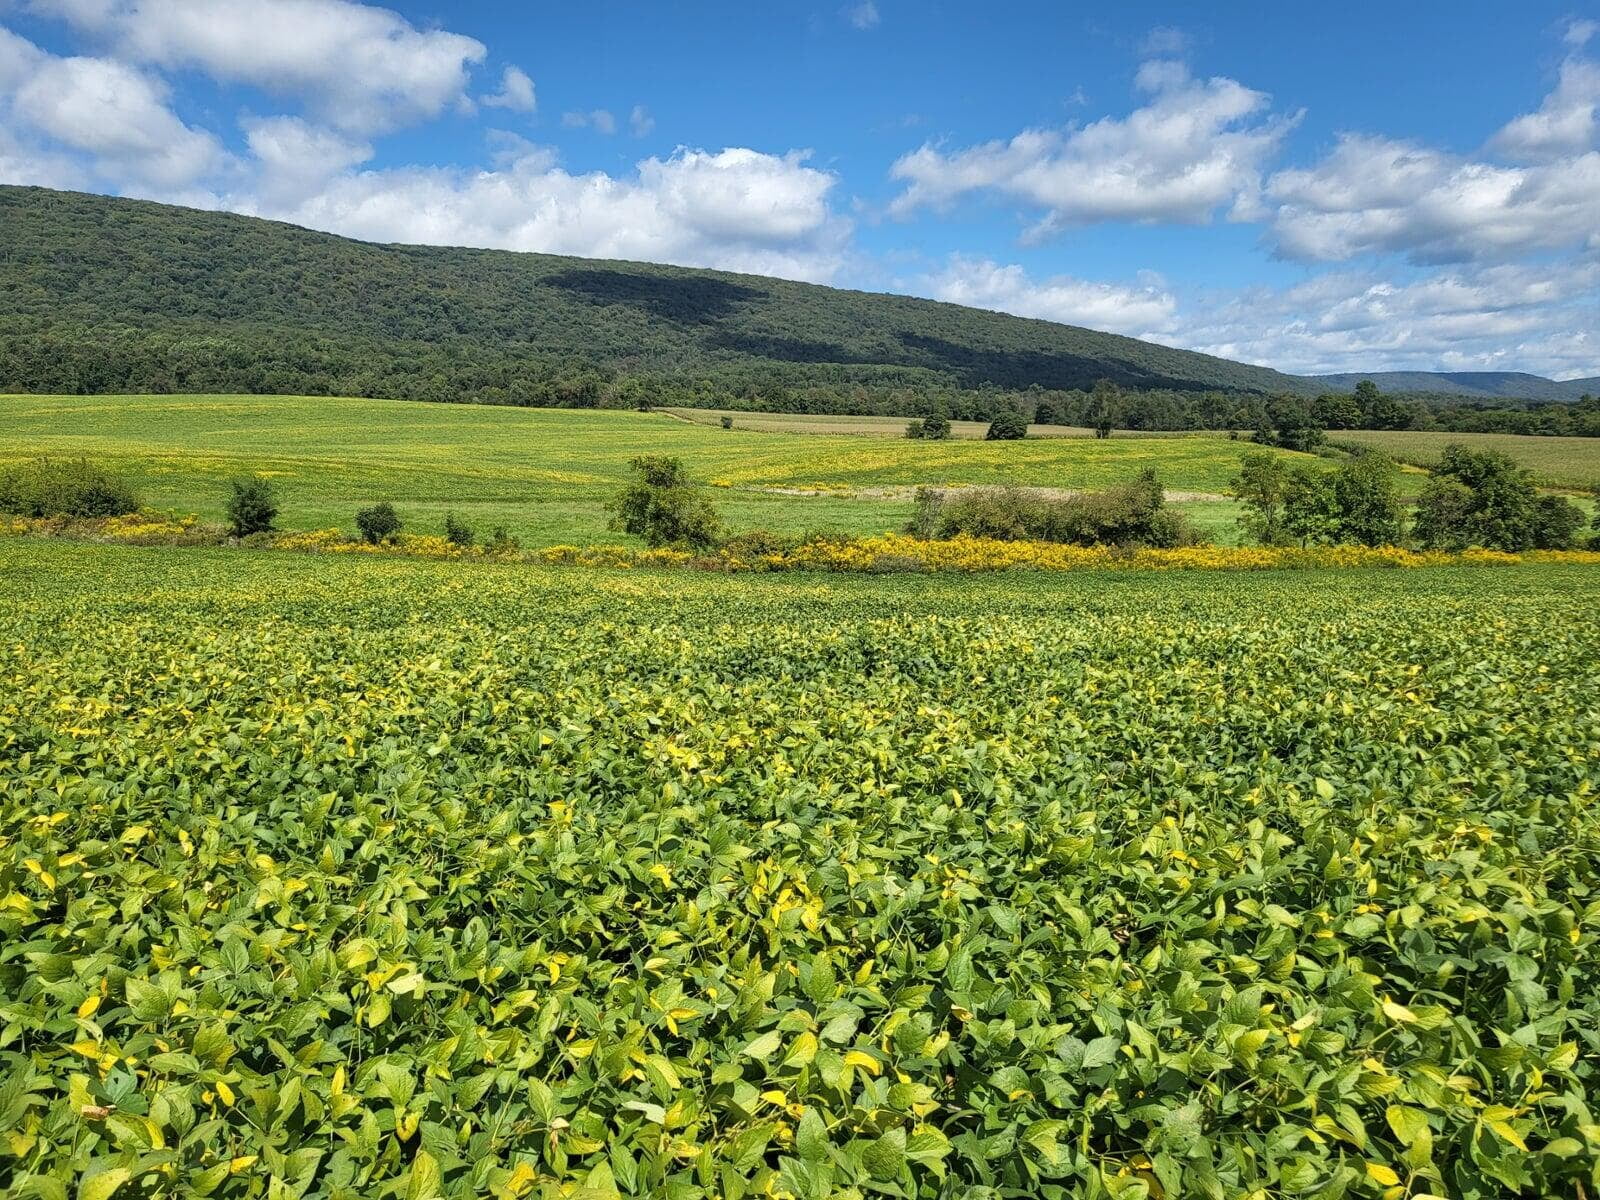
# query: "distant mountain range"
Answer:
x=102 y=294
x=1485 y=385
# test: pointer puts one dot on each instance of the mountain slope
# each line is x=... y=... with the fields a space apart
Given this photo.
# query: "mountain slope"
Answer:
x=106 y=294
x=1487 y=385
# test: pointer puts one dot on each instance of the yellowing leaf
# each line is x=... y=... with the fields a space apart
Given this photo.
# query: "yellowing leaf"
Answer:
x=103 y=1185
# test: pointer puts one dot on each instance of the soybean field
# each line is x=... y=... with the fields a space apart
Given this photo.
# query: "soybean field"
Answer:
x=332 y=878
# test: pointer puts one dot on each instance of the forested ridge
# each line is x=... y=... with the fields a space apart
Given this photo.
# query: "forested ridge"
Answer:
x=105 y=294
x=102 y=295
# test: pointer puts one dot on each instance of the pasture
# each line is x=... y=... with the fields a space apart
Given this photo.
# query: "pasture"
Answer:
x=546 y=474
x=1558 y=462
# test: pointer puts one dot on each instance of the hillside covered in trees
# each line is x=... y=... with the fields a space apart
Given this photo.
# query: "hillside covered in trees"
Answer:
x=100 y=294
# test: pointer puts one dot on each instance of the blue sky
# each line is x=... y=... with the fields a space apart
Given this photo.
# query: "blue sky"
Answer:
x=1317 y=188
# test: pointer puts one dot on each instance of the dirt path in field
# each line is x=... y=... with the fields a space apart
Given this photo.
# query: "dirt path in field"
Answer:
x=907 y=491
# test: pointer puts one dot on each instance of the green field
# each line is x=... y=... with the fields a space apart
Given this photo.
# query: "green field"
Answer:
x=546 y=474
x=891 y=427
x=328 y=878
x=1562 y=462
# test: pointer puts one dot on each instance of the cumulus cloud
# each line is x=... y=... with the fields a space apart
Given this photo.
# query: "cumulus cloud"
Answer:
x=1196 y=147
x=1506 y=317
x=1565 y=123
x=358 y=68
x=1372 y=195
x=600 y=120
x=295 y=160
x=115 y=116
x=516 y=92
x=1141 y=310
x=736 y=209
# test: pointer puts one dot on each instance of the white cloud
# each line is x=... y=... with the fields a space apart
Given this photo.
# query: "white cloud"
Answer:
x=296 y=160
x=1511 y=317
x=600 y=120
x=1196 y=147
x=359 y=68
x=516 y=92
x=1372 y=195
x=104 y=109
x=1139 y=311
x=1565 y=123
x=736 y=209
x=1579 y=32
x=640 y=122
x=864 y=15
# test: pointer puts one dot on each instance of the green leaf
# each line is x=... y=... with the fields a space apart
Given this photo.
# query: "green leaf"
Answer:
x=103 y=1185
x=1101 y=1052
x=765 y=1046
x=425 y=1181
x=885 y=1158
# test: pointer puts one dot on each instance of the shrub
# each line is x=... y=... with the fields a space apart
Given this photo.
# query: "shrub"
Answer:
x=50 y=487
x=1482 y=498
x=664 y=508
x=727 y=422
x=917 y=430
x=501 y=543
x=754 y=543
x=1007 y=426
x=377 y=524
x=252 y=507
x=457 y=532
x=1556 y=521
x=1129 y=515
x=936 y=428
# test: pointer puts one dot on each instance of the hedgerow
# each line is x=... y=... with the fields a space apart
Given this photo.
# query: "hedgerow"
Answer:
x=332 y=878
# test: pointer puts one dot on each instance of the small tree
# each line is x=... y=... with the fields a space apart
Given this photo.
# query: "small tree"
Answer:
x=917 y=430
x=1556 y=521
x=664 y=508
x=936 y=428
x=252 y=507
x=378 y=524
x=1046 y=412
x=1262 y=485
x=1007 y=426
x=1443 y=516
x=1478 y=498
x=457 y=532
x=1367 y=491
x=1104 y=402
x=1310 y=505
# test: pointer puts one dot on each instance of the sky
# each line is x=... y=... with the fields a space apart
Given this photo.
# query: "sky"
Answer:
x=1352 y=187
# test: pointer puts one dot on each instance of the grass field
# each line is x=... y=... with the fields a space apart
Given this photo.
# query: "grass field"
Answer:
x=1563 y=462
x=891 y=427
x=546 y=474
x=333 y=878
